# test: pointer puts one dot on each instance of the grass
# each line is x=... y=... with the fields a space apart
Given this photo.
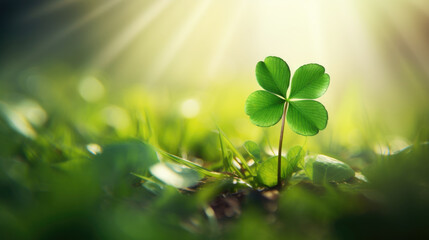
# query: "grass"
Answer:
x=131 y=167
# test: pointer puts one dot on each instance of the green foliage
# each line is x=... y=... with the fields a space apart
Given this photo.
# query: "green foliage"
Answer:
x=230 y=154
x=254 y=150
x=324 y=169
x=175 y=175
x=126 y=156
x=52 y=187
x=267 y=172
x=192 y=165
x=305 y=117
x=294 y=157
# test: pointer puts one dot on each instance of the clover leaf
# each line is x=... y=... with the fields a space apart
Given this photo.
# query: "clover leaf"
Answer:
x=309 y=82
x=265 y=108
x=305 y=116
x=273 y=75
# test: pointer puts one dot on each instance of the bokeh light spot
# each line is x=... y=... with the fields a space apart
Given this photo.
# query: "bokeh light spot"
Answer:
x=34 y=113
x=190 y=108
x=116 y=117
x=17 y=121
x=94 y=148
x=91 y=89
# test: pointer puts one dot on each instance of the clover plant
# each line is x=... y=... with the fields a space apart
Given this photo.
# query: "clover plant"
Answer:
x=304 y=115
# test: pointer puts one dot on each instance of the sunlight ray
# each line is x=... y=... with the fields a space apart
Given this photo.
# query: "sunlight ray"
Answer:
x=315 y=23
x=225 y=39
x=422 y=5
x=170 y=51
x=128 y=35
x=411 y=37
x=356 y=33
x=74 y=27
x=49 y=8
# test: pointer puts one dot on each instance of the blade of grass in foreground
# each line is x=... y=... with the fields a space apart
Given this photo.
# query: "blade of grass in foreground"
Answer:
x=146 y=178
x=192 y=165
x=236 y=153
x=227 y=158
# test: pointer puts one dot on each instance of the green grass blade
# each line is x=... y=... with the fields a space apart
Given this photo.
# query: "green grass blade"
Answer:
x=236 y=153
x=146 y=178
x=227 y=158
x=253 y=150
x=192 y=165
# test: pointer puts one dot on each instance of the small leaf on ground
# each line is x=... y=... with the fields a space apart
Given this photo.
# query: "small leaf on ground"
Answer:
x=307 y=117
x=267 y=172
x=264 y=108
x=273 y=75
x=226 y=146
x=294 y=156
x=131 y=155
x=327 y=169
x=253 y=149
x=309 y=82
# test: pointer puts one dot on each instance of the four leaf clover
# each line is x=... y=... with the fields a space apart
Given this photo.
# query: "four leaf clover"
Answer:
x=305 y=116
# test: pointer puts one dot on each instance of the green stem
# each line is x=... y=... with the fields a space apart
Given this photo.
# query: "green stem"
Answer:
x=279 y=168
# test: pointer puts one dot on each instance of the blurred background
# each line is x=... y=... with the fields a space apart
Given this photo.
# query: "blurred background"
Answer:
x=186 y=66
x=84 y=85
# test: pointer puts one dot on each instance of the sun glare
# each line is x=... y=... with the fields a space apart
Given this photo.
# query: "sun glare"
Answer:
x=190 y=108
